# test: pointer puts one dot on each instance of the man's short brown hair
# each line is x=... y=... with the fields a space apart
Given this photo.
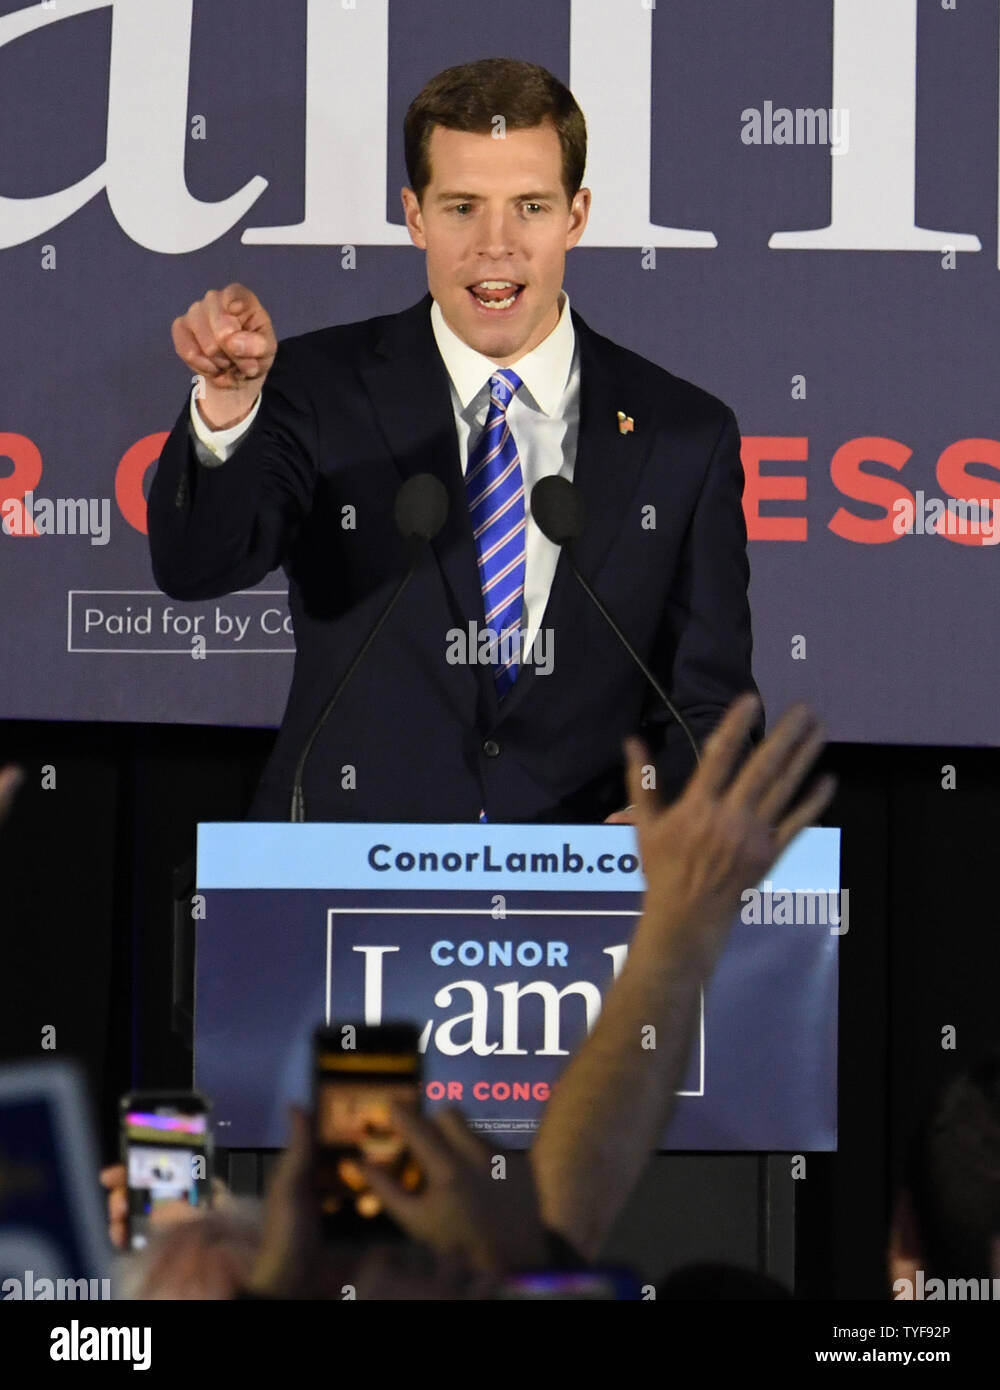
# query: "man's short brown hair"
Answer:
x=471 y=96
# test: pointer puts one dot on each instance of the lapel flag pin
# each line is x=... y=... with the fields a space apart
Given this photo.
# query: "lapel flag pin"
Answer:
x=625 y=423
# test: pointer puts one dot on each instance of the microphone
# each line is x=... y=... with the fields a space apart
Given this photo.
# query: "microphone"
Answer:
x=557 y=507
x=420 y=510
x=421 y=507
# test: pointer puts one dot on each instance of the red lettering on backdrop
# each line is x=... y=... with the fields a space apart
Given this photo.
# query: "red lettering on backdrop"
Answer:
x=130 y=474
x=27 y=474
x=506 y=1090
x=957 y=482
x=851 y=479
x=846 y=471
x=783 y=487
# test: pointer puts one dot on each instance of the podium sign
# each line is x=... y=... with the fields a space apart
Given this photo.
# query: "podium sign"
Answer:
x=499 y=941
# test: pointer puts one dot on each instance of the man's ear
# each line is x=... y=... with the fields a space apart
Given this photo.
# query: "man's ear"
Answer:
x=579 y=213
x=903 y=1256
x=414 y=217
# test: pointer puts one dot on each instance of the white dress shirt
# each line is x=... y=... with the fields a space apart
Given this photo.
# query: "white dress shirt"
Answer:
x=544 y=418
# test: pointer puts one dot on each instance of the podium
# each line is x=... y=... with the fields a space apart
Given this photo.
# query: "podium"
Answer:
x=500 y=941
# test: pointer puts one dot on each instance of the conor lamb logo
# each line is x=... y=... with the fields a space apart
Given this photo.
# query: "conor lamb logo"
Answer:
x=76 y=1343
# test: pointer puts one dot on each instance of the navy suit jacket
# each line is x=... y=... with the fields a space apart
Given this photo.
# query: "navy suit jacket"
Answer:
x=347 y=414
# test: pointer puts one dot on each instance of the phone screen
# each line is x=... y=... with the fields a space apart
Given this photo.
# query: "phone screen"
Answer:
x=355 y=1085
x=166 y=1150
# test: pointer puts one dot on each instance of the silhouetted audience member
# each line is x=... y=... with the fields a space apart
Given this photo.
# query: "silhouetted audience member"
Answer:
x=947 y=1213
x=708 y=1282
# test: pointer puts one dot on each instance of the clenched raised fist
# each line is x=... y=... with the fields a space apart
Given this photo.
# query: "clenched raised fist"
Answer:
x=226 y=338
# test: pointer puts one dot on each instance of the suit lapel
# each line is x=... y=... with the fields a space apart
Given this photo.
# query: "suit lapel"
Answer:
x=408 y=384
x=606 y=474
x=608 y=463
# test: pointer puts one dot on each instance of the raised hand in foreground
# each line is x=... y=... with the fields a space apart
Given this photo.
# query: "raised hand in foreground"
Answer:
x=721 y=837
x=476 y=1206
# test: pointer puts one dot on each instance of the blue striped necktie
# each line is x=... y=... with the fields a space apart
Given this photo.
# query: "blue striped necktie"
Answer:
x=495 y=491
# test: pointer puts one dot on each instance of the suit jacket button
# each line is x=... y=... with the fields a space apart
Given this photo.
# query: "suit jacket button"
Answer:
x=491 y=748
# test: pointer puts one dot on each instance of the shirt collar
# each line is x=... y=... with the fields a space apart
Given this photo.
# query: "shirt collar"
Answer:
x=544 y=370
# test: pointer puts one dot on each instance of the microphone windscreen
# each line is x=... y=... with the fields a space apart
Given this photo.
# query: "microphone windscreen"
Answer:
x=421 y=506
x=557 y=507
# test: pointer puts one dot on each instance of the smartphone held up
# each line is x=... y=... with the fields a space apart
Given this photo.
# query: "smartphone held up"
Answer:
x=360 y=1072
x=166 y=1148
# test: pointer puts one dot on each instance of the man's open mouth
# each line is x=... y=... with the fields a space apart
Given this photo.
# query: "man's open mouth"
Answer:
x=495 y=294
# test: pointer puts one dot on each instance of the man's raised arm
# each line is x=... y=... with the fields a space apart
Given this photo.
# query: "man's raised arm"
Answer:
x=218 y=518
x=613 y=1101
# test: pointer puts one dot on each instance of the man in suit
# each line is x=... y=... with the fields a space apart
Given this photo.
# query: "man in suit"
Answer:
x=292 y=455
